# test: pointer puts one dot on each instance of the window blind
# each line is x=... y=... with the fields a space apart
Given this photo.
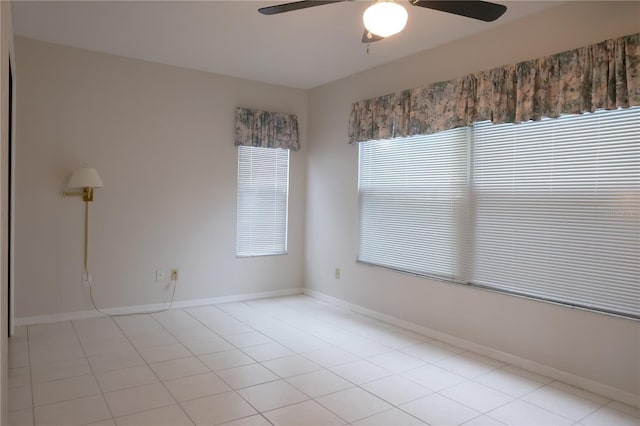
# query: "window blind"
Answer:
x=557 y=209
x=411 y=196
x=263 y=189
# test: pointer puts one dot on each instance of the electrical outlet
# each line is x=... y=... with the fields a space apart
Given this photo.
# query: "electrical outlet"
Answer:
x=161 y=275
x=337 y=273
x=174 y=274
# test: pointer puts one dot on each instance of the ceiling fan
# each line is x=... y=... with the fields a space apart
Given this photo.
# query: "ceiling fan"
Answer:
x=386 y=17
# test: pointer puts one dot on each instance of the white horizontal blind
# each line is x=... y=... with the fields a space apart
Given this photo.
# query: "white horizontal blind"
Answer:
x=558 y=209
x=263 y=190
x=410 y=193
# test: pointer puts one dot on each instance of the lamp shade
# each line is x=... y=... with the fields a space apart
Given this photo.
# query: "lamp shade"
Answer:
x=385 y=18
x=85 y=177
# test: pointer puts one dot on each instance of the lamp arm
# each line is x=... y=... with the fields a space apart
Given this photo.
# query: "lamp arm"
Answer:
x=86 y=194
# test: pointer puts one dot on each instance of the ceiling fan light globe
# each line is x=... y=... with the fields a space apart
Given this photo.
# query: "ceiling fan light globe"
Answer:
x=385 y=18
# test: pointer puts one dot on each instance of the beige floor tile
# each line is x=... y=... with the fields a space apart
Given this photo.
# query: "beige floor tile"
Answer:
x=522 y=413
x=396 y=362
x=65 y=389
x=217 y=409
x=177 y=368
x=60 y=370
x=107 y=346
x=153 y=339
x=171 y=415
x=330 y=356
x=479 y=397
x=436 y=410
x=247 y=375
x=272 y=395
x=138 y=324
x=566 y=401
x=193 y=333
x=19 y=398
x=57 y=353
x=19 y=376
x=392 y=366
x=607 y=416
x=267 y=351
x=308 y=413
x=353 y=404
x=512 y=381
x=125 y=378
x=116 y=361
x=19 y=359
x=292 y=365
x=243 y=340
x=430 y=352
x=97 y=329
x=483 y=421
x=396 y=390
x=393 y=417
x=318 y=383
x=255 y=420
x=207 y=346
x=226 y=359
x=433 y=377
x=75 y=412
x=21 y=417
x=108 y=422
x=360 y=372
x=469 y=364
x=141 y=398
x=192 y=387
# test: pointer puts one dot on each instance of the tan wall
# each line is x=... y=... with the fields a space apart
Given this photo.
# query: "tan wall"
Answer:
x=161 y=137
x=595 y=346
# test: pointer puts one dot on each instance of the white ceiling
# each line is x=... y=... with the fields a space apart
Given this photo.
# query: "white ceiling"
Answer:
x=301 y=49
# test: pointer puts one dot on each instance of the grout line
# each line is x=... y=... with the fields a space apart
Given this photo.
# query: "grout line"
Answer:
x=279 y=378
x=33 y=405
x=211 y=370
x=283 y=306
x=214 y=372
x=152 y=371
x=95 y=378
x=558 y=414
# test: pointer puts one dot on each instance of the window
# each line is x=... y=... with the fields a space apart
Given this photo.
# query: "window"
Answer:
x=410 y=195
x=263 y=192
x=547 y=209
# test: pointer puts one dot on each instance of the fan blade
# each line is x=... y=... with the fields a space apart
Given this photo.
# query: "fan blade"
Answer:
x=482 y=10
x=296 y=5
x=368 y=37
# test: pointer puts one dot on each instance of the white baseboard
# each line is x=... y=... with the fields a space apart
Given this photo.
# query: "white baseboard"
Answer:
x=534 y=367
x=78 y=315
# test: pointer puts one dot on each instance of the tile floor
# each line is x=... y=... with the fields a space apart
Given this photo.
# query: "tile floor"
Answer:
x=281 y=361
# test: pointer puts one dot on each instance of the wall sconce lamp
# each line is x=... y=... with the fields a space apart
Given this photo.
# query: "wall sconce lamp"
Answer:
x=86 y=179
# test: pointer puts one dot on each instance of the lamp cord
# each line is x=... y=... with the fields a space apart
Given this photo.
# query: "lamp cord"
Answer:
x=93 y=302
x=90 y=280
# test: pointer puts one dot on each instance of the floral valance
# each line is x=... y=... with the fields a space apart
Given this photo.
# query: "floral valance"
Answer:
x=605 y=75
x=266 y=129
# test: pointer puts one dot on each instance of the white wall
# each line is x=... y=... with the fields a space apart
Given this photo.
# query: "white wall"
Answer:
x=162 y=139
x=601 y=348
